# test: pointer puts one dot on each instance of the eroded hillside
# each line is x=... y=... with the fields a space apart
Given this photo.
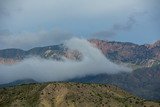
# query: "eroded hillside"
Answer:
x=69 y=95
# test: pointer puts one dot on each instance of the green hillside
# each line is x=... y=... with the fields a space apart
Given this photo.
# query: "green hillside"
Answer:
x=69 y=95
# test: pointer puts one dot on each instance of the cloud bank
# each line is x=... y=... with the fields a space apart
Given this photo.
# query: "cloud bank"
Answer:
x=42 y=70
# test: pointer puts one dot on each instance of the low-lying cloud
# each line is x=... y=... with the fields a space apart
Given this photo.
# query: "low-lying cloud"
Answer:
x=42 y=70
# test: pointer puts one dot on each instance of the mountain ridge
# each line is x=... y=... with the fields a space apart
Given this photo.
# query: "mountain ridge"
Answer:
x=120 y=52
x=62 y=94
x=144 y=59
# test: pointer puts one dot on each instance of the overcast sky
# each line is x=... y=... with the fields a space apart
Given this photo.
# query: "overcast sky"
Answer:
x=30 y=23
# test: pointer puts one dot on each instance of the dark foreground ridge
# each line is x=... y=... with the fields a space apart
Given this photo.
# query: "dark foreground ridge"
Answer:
x=69 y=95
x=143 y=82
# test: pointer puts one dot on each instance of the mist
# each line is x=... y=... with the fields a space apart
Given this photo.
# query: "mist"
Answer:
x=44 y=70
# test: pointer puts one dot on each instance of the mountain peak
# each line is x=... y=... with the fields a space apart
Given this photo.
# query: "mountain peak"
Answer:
x=157 y=43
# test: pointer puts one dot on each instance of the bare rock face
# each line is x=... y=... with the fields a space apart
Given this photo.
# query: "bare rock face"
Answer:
x=156 y=49
x=156 y=44
x=129 y=53
x=9 y=61
x=56 y=52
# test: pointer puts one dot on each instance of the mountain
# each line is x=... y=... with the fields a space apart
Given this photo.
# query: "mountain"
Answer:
x=18 y=82
x=56 y=52
x=119 y=52
x=125 y=52
x=142 y=82
x=144 y=59
x=69 y=95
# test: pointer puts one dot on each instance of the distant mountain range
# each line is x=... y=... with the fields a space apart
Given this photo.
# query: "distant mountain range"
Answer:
x=125 y=52
x=56 y=52
x=144 y=81
x=120 y=52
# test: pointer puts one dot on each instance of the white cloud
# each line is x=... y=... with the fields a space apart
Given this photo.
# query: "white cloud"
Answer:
x=94 y=62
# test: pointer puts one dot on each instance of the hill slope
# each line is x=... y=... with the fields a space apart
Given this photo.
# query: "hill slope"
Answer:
x=143 y=82
x=69 y=95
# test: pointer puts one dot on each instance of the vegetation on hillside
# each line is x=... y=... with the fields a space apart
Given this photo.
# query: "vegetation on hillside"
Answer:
x=69 y=95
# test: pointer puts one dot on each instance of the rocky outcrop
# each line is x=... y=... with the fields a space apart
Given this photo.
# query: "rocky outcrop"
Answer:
x=56 y=52
x=126 y=52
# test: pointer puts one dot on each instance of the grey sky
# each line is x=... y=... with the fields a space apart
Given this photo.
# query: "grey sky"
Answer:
x=22 y=20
